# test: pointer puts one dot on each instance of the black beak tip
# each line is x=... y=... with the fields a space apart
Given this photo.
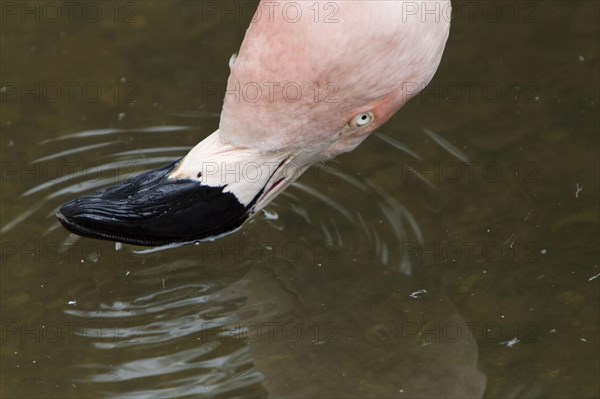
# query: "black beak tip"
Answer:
x=70 y=223
x=62 y=219
x=72 y=218
x=153 y=210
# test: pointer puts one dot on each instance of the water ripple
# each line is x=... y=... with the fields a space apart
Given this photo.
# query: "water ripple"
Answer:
x=177 y=321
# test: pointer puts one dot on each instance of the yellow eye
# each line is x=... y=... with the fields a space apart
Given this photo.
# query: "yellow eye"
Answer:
x=363 y=119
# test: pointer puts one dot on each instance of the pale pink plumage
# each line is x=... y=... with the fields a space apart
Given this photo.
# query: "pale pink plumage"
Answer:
x=374 y=56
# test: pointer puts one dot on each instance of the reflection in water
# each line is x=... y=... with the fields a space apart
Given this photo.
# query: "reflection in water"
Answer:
x=355 y=333
x=326 y=308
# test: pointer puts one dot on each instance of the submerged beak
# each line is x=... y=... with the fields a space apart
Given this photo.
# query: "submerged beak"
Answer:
x=209 y=193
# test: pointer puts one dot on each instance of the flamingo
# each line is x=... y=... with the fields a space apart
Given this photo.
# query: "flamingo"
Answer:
x=311 y=81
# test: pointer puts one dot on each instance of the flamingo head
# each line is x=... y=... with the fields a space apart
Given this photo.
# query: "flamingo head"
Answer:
x=300 y=91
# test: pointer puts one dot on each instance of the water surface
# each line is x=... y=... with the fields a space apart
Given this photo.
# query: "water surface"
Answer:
x=453 y=254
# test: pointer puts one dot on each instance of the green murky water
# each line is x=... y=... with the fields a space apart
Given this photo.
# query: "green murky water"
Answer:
x=381 y=274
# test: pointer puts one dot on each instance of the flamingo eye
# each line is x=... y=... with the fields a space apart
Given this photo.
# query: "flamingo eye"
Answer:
x=363 y=119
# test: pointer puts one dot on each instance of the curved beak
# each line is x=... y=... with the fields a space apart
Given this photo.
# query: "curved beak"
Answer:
x=193 y=199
